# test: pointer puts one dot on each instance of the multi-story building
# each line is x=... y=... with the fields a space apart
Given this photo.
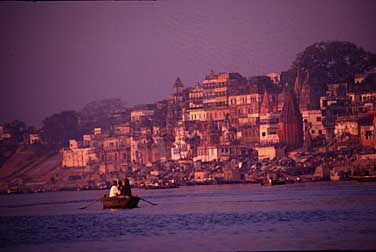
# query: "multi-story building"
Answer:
x=195 y=97
x=97 y=131
x=346 y=125
x=78 y=156
x=34 y=138
x=138 y=115
x=217 y=114
x=194 y=110
x=121 y=129
x=313 y=119
x=211 y=100
x=331 y=108
x=245 y=107
x=216 y=88
x=115 y=153
x=249 y=135
x=368 y=131
x=198 y=114
x=180 y=148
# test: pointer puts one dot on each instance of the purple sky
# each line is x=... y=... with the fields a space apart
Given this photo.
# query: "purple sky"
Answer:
x=58 y=56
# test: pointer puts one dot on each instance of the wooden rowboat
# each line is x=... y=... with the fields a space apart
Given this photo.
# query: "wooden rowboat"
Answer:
x=363 y=178
x=120 y=202
x=270 y=182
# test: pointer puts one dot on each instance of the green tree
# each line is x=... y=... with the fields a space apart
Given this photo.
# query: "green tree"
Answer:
x=17 y=129
x=333 y=61
x=59 y=128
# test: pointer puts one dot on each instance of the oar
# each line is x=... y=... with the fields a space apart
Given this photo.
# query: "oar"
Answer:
x=91 y=203
x=148 y=202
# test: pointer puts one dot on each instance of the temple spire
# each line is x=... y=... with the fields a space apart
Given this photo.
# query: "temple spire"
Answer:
x=265 y=106
x=178 y=86
x=290 y=125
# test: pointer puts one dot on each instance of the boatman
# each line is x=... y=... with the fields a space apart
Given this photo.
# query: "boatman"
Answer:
x=126 y=189
x=114 y=191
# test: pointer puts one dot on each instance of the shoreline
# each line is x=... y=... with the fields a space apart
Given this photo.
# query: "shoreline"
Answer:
x=352 y=181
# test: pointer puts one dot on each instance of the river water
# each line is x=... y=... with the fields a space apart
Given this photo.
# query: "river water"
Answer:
x=304 y=216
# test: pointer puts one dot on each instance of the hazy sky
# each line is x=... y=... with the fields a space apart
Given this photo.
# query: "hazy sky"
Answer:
x=56 y=56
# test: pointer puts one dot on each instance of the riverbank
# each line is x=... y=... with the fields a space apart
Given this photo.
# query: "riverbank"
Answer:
x=306 y=180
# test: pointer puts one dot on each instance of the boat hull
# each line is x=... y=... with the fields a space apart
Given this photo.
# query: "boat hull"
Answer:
x=273 y=182
x=161 y=187
x=120 y=202
x=364 y=178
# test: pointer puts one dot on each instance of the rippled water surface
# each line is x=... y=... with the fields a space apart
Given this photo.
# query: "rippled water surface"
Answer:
x=313 y=216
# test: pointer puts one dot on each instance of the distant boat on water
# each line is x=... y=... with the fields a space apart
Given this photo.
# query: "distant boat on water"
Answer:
x=161 y=185
x=335 y=176
x=270 y=182
x=364 y=178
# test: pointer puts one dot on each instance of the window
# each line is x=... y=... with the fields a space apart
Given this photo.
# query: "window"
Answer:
x=318 y=119
x=368 y=134
x=263 y=134
x=320 y=132
x=313 y=131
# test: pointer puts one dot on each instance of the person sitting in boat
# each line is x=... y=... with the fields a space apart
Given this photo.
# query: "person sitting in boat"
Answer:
x=120 y=186
x=114 y=191
x=126 y=189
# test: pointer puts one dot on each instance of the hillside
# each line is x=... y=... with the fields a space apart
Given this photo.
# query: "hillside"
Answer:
x=26 y=168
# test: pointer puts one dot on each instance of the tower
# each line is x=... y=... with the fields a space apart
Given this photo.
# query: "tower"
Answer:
x=175 y=105
x=268 y=122
x=178 y=86
x=265 y=106
x=211 y=134
x=290 y=125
